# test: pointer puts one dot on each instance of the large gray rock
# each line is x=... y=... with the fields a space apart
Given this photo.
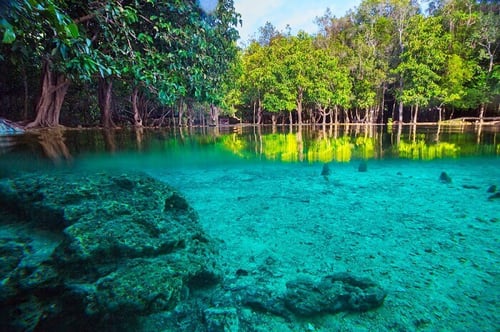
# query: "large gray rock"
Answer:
x=332 y=294
x=108 y=244
x=307 y=297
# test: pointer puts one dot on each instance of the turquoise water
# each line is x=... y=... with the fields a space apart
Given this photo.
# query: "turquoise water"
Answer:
x=432 y=245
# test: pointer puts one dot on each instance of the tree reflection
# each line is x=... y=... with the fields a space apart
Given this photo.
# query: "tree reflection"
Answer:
x=53 y=145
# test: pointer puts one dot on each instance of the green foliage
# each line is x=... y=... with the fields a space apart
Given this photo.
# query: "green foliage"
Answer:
x=382 y=51
x=169 y=49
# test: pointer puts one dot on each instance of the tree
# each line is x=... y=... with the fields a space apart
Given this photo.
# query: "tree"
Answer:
x=41 y=30
x=331 y=85
x=162 y=49
x=422 y=62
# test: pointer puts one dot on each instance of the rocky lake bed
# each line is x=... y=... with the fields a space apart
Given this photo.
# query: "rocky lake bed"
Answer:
x=396 y=246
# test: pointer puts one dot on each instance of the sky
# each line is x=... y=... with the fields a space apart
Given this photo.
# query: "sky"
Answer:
x=299 y=14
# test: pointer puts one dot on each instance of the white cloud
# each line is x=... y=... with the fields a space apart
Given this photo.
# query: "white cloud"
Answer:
x=299 y=14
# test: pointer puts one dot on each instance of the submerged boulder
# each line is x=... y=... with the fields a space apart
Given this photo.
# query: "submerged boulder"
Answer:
x=307 y=297
x=108 y=244
x=332 y=294
x=444 y=178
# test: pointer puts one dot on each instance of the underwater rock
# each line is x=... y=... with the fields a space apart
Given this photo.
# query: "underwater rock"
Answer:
x=222 y=320
x=332 y=294
x=492 y=189
x=306 y=297
x=494 y=196
x=469 y=186
x=444 y=178
x=363 y=166
x=325 y=172
x=97 y=246
x=263 y=299
x=176 y=202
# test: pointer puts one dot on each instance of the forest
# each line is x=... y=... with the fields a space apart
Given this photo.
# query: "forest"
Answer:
x=177 y=63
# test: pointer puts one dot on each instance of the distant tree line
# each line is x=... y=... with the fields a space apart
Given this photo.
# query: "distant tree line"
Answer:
x=114 y=61
x=384 y=61
x=170 y=62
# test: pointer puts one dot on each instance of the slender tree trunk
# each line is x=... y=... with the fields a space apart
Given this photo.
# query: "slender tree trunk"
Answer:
x=181 y=112
x=173 y=116
x=401 y=111
x=214 y=114
x=381 y=110
x=53 y=90
x=481 y=113
x=104 y=99
x=299 y=106
x=135 y=108
x=310 y=112
x=254 y=111
x=346 y=113
x=190 y=111
x=415 y=115
x=259 y=112
x=26 y=94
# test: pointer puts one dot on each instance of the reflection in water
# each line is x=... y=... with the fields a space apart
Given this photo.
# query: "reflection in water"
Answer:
x=6 y=143
x=53 y=145
x=338 y=143
x=109 y=140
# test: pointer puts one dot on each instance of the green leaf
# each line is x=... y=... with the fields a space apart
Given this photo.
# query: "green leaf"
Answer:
x=72 y=30
x=9 y=36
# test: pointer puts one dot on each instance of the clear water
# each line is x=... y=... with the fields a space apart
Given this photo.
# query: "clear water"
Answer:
x=433 y=246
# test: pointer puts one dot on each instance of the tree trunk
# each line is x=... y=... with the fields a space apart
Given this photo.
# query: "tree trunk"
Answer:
x=190 y=111
x=26 y=94
x=53 y=90
x=346 y=113
x=481 y=113
x=181 y=112
x=259 y=112
x=401 y=112
x=415 y=116
x=104 y=99
x=135 y=108
x=299 y=106
x=214 y=114
x=254 y=112
x=310 y=112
